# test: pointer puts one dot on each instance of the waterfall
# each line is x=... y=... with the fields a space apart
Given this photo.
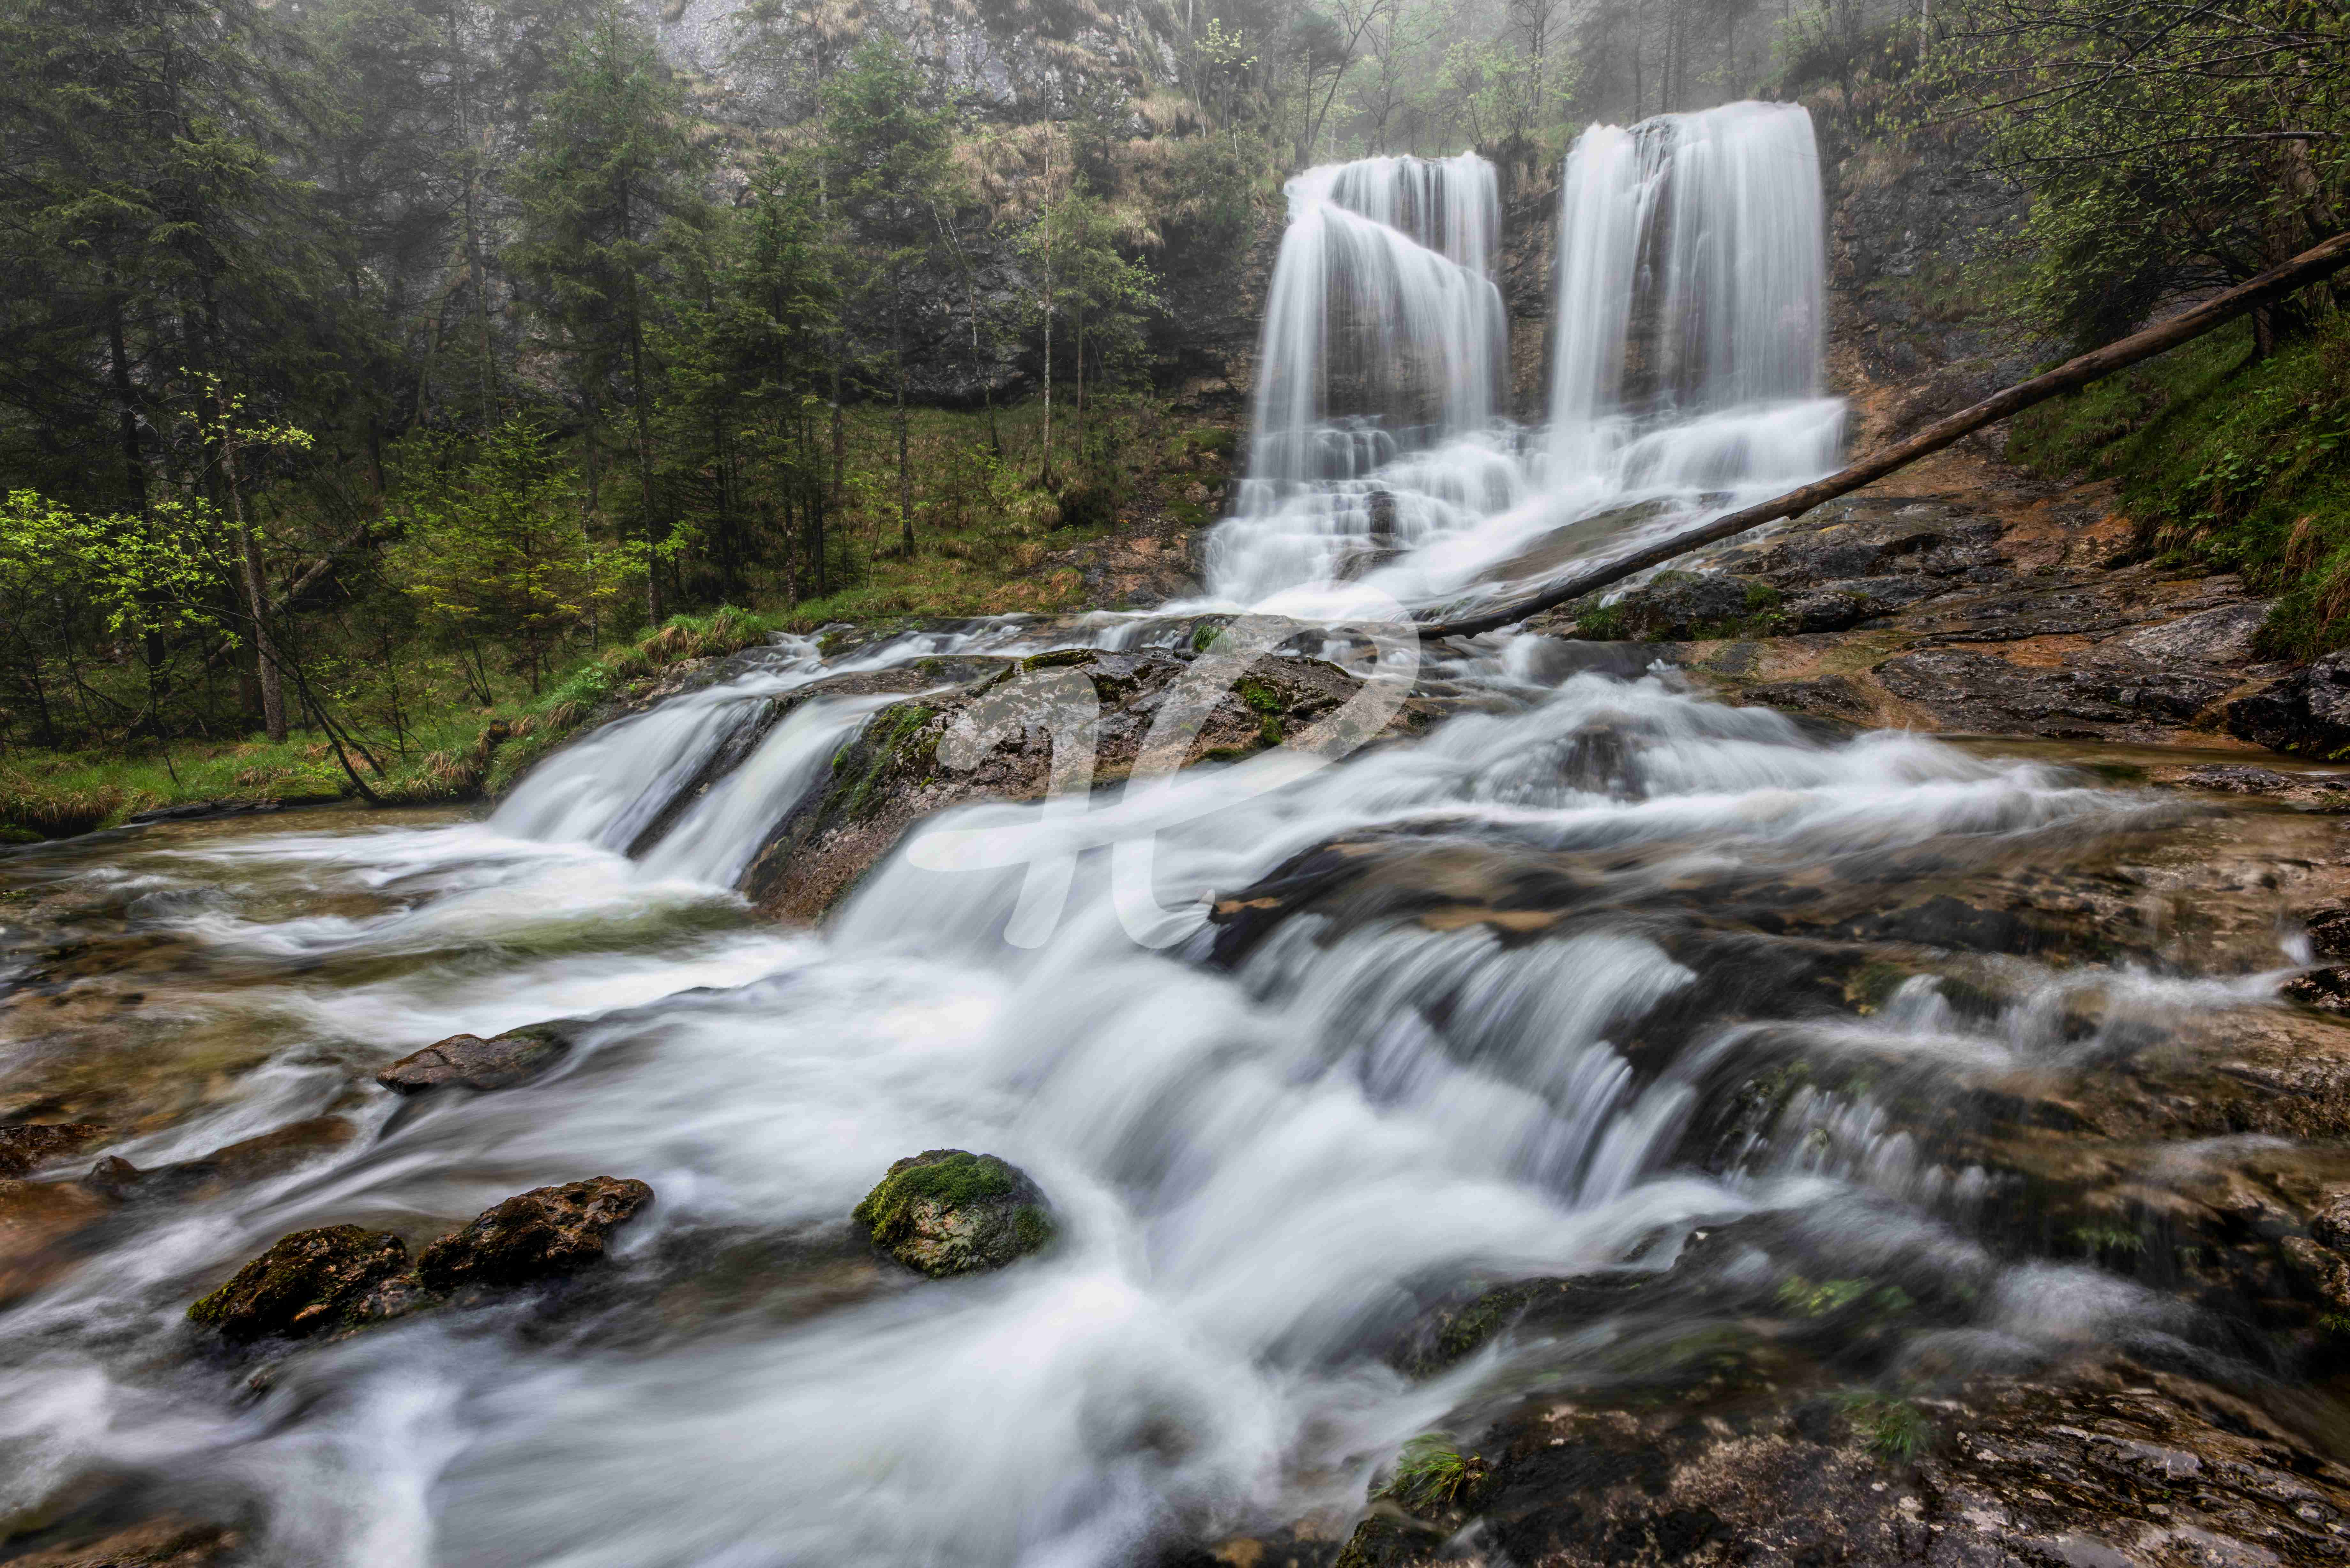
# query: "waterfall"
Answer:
x=1383 y=363
x=1383 y=330
x=1690 y=288
x=1685 y=362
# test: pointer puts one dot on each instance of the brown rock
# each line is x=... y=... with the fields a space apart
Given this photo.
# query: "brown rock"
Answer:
x=306 y=1283
x=536 y=1235
x=24 y=1148
x=471 y=1062
x=158 y=1543
x=37 y=1219
x=2331 y=1224
x=251 y=1159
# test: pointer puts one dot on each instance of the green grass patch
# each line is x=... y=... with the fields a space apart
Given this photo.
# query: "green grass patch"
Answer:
x=1896 y=1431
x=446 y=754
x=1432 y=1474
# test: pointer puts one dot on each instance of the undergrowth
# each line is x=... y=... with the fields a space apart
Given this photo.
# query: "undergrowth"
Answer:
x=2226 y=462
x=454 y=755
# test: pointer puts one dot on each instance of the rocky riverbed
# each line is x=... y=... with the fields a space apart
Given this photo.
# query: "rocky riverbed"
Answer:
x=1603 y=1121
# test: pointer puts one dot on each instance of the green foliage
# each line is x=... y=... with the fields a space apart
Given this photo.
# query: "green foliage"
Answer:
x=2230 y=460
x=499 y=554
x=1896 y=1431
x=1432 y=1474
x=2162 y=153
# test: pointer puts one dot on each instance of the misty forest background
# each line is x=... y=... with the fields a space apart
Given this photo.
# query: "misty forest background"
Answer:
x=384 y=382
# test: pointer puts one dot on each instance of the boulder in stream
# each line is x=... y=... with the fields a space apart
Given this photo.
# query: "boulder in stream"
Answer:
x=345 y=1277
x=948 y=1211
x=535 y=1235
x=470 y=1062
x=256 y=1158
x=306 y=1283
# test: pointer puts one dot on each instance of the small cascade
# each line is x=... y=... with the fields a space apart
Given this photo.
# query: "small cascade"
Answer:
x=713 y=842
x=607 y=788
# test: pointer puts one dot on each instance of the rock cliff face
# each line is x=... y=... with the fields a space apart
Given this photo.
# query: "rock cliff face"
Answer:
x=1018 y=62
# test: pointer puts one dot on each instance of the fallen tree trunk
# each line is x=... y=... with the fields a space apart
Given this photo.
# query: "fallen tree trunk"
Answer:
x=2306 y=268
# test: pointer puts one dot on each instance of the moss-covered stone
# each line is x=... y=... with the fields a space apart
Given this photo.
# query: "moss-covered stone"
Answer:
x=304 y=1284
x=948 y=1211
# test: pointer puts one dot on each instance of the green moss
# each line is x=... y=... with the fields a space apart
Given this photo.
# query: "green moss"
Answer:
x=1060 y=659
x=1806 y=1299
x=1601 y=623
x=1896 y=1431
x=2228 y=463
x=1431 y=1473
x=889 y=747
x=953 y=1180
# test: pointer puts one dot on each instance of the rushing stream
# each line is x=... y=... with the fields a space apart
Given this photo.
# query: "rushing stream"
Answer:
x=1271 y=1144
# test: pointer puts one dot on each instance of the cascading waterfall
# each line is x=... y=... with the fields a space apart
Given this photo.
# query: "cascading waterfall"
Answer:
x=1385 y=348
x=1270 y=1147
x=1691 y=300
x=1685 y=374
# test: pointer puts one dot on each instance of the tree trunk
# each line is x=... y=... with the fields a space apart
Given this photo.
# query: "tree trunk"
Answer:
x=1047 y=476
x=905 y=474
x=256 y=594
x=644 y=457
x=2311 y=266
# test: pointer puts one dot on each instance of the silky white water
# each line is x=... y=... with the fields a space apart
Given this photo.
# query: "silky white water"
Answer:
x=1257 y=1167
x=1269 y=1149
x=1688 y=318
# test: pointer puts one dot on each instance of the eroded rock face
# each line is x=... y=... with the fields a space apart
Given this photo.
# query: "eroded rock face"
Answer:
x=891 y=775
x=535 y=1235
x=470 y=1062
x=304 y=1284
x=948 y=1211
x=2306 y=713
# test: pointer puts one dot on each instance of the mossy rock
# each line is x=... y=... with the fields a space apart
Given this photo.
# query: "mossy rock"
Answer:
x=948 y=1211
x=305 y=1284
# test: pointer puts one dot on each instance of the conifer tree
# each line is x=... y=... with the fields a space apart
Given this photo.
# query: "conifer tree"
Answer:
x=613 y=215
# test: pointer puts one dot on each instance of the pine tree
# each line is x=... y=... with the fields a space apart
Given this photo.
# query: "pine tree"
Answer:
x=889 y=148
x=613 y=215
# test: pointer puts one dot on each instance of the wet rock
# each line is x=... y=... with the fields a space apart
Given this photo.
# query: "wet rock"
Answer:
x=342 y=1278
x=1986 y=694
x=24 y=1148
x=157 y=1543
x=2326 y=990
x=536 y=1235
x=948 y=1211
x=893 y=772
x=270 y=1154
x=1676 y=606
x=470 y=1062
x=2329 y=932
x=305 y=1284
x=2306 y=713
x=38 y=1224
